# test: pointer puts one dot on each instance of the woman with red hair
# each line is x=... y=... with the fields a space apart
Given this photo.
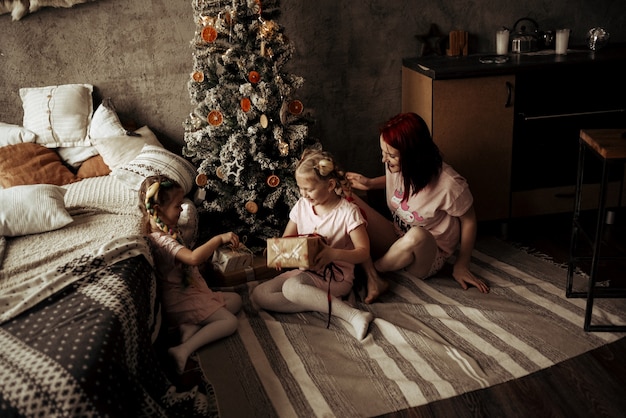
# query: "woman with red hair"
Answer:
x=431 y=206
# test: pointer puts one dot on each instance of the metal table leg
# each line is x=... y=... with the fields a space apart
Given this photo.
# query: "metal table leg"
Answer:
x=596 y=242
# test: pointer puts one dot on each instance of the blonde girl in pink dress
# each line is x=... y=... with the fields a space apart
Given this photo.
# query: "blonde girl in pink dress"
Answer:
x=321 y=210
x=200 y=314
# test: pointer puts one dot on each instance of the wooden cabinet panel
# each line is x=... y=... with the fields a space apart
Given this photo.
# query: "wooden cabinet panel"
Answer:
x=471 y=120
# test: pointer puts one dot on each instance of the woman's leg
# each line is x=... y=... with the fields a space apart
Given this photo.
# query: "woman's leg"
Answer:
x=301 y=290
x=376 y=285
x=415 y=252
x=220 y=324
x=382 y=236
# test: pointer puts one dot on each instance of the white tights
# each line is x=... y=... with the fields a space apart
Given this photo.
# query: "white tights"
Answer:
x=299 y=294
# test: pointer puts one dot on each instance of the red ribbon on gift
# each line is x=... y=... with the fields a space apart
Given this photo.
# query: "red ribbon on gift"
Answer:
x=329 y=275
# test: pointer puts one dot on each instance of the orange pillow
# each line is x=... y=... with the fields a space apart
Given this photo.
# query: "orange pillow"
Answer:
x=93 y=167
x=30 y=163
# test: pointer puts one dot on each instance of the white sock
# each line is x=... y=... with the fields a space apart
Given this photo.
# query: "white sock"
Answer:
x=312 y=298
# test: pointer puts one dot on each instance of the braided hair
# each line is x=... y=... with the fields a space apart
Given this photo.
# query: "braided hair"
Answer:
x=157 y=190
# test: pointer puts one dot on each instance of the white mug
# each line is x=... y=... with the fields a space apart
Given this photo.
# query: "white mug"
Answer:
x=502 y=42
x=562 y=39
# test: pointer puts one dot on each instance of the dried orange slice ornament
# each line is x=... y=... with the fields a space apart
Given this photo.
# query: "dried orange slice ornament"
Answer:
x=201 y=180
x=209 y=34
x=219 y=172
x=295 y=107
x=254 y=77
x=215 y=118
x=252 y=207
x=245 y=104
x=273 y=180
x=197 y=76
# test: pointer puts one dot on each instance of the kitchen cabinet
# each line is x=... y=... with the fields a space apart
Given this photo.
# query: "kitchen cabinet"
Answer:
x=471 y=121
x=511 y=129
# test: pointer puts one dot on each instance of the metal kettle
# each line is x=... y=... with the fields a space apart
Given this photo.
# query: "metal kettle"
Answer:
x=525 y=39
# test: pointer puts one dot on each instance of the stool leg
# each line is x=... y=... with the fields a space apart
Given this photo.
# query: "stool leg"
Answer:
x=595 y=258
x=574 y=237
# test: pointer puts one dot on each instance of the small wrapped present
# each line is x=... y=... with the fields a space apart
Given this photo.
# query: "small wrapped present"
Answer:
x=227 y=259
x=257 y=271
x=297 y=252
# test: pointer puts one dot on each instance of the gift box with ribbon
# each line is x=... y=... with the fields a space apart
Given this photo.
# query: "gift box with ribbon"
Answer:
x=227 y=259
x=258 y=270
x=299 y=251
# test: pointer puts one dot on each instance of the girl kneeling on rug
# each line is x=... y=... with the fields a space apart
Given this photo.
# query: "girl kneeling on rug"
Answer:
x=322 y=211
x=201 y=315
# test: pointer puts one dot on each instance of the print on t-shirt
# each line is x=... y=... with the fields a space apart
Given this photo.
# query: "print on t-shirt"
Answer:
x=403 y=216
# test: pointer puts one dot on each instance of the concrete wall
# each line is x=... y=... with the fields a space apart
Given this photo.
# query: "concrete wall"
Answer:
x=349 y=52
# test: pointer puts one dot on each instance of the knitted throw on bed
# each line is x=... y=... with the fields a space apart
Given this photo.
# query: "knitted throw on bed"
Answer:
x=106 y=223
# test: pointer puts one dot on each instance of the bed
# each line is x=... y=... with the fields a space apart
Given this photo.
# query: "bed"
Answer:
x=79 y=307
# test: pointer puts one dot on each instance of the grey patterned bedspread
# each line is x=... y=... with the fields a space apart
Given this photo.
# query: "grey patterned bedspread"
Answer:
x=77 y=330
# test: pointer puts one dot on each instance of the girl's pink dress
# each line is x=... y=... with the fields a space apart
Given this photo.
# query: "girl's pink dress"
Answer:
x=183 y=304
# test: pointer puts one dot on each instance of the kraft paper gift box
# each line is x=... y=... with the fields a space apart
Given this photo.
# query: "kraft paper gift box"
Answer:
x=257 y=271
x=227 y=259
x=297 y=252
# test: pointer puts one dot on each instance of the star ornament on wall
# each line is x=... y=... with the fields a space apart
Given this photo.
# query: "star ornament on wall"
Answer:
x=430 y=42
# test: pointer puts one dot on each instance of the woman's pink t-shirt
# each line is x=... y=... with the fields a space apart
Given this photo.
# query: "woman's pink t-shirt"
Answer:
x=436 y=207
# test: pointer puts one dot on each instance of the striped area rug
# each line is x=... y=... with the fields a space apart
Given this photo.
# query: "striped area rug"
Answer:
x=430 y=340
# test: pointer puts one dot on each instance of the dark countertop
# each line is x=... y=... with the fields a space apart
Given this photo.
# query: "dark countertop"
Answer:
x=440 y=67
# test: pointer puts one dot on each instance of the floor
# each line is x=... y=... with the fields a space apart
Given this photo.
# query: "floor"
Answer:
x=550 y=235
x=592 y=384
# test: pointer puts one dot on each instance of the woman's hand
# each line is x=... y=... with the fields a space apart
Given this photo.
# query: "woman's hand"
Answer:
x=465 y=278
x=461 y=271
x=358 y=181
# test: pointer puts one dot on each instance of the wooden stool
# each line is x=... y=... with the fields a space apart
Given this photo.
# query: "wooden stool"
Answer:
x=609 y=145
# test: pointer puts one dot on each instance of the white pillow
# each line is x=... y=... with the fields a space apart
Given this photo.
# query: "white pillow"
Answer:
x=153 y=161
x=32 y=209
x=119 y=150
x=59 y=115
x=105 y=122
x=15 y=134
x=75 y=156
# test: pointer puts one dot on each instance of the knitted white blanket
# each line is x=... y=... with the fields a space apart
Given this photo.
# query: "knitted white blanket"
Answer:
x=106 y=229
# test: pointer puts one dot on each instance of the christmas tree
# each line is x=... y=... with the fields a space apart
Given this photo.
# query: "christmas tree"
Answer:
x=247 y=129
